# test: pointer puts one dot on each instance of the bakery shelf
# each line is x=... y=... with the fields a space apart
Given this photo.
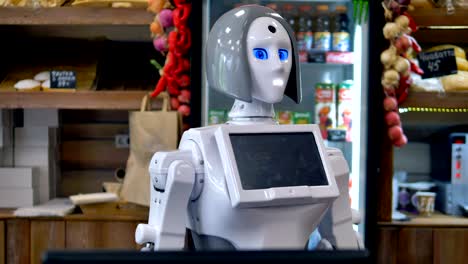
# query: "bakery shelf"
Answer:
x=111 y=100
x=436 y=100
x=435 y=26
x=75 y=16
x=438 y=17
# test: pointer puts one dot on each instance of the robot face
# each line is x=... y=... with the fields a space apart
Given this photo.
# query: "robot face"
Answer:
x=270 y=59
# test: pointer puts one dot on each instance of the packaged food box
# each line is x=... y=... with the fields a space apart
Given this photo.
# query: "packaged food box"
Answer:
x=302 y=118
x=285 y=117
x=325 y=107
x=216 y=116
x=339 y=57
x=344 y=102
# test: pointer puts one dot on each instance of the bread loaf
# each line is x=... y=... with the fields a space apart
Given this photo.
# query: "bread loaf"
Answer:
x=462 y=64
x=456 y=82
x=28 y=85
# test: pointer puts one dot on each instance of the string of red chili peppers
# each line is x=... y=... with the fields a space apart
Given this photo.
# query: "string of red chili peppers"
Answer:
x=175 y=77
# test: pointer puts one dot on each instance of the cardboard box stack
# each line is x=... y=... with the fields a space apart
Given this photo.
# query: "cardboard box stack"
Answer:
x=36 y=146
x=18 y=187
x=28 y=157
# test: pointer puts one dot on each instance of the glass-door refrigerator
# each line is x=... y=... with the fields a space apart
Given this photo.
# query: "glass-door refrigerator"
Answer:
x=332 y=49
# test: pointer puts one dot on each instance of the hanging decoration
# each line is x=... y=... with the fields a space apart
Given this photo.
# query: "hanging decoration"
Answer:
x=172 y=37
x=396 y=78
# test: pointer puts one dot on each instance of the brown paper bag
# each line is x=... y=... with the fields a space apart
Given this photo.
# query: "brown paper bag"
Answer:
x=150 y=131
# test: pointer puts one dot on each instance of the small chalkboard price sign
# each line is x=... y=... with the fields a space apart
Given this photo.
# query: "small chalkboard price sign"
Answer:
x=437 y=63
x=63 y=79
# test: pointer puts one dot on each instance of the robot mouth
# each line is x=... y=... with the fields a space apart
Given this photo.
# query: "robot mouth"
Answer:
x=158 y=190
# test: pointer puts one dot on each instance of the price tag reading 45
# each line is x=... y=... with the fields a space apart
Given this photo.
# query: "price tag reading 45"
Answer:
x=63 y=79
x=438 y=63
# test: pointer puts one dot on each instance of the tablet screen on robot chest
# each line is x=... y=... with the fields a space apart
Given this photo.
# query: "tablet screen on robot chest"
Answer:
x=270 y=160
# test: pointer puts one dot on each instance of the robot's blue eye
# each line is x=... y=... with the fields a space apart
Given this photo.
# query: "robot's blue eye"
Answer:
x=283 y=54
x=260 y=53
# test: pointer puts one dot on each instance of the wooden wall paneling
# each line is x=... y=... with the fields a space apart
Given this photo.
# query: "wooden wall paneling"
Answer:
x=92 y=154
x=2 y=242
x=92 y=131
x=100 y=234
x=450 y=245
x=387 y=244
x=18 y=241
x=88 y=155
x=415 y=245
x=441 y=36
x=93 y=116
x=84 y=181
x=45 y=235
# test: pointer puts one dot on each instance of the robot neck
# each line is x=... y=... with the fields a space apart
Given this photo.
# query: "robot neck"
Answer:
x=254 y=112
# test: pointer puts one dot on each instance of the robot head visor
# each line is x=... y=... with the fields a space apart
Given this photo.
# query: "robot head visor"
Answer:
x=226 y=60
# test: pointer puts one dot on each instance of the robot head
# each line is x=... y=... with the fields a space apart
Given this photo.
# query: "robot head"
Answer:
x=251 y=53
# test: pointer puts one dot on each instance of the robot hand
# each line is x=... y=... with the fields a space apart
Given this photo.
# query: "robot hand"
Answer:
x=148 y=247
x=147 y=235
x=172 y=181
x=355 y=216
x=356 y=219
x=316 y=242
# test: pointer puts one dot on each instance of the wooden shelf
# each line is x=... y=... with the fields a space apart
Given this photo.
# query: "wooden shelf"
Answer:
x=9 y=214
x=112 y=100
x=437 y=100
x=438 y=17
x=436 y=220
x=75 y=16
x=436 y=27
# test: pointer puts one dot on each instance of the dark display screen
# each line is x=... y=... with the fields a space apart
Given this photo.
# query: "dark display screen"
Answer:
x=277 y=160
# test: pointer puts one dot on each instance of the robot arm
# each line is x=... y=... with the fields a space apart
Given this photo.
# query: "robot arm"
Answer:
x=337 y=225
x=172 y=181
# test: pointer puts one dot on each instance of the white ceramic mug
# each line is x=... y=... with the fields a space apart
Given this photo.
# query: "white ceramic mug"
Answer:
x=424 y=202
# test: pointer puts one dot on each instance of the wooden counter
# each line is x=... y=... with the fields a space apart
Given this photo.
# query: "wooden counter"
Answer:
x=435 y=239
x=24 y=239
x=435 y=220
x=6 y=213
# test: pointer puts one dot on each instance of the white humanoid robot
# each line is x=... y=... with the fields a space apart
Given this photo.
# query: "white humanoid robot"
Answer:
x=250 y=183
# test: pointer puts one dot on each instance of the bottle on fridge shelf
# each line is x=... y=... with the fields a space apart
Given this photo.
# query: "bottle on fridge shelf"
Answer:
x=289 y=12
x=340 y=35
x=325 y=107
x=302 y=118
x=217 y=116
x=285 y=117
x=322 y=34
x=344 y=103
x=304 y=34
